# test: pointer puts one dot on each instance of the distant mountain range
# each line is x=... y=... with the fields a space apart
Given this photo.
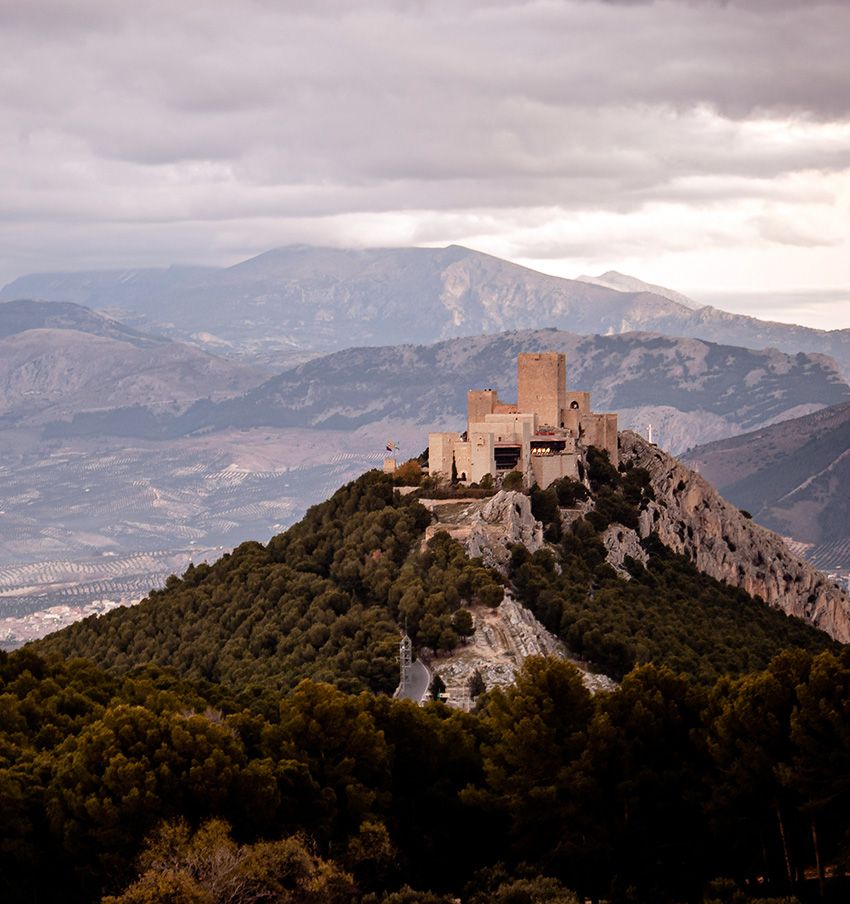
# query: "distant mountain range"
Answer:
x=686 y=388
x=792 y=477
x=121 y=443
x=22 y=315
x=294 y=303
x=624 y=283
x=59 y=359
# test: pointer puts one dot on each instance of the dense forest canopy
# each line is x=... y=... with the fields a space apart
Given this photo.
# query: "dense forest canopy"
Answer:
x=323 y=600
x=236 y=741
x=151 y=788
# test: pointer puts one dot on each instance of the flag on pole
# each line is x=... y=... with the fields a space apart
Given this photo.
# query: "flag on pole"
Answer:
x=392 y=446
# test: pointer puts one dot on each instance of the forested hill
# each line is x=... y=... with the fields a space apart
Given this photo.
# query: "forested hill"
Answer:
x=176 y=770
x=158 y=790
x=324 y=599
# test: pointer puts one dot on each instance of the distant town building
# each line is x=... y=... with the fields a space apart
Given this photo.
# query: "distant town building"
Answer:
x=541 y=435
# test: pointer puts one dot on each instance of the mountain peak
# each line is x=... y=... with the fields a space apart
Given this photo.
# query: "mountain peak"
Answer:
x=298 y=301
x=622 y=282
x=24 y=314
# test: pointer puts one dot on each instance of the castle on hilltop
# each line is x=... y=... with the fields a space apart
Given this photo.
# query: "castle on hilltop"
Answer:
x=541 y=435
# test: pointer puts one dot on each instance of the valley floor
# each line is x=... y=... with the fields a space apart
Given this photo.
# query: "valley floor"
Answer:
x=88 y=524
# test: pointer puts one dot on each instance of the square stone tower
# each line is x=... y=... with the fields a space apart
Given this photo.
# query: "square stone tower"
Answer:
x=480 y=403
x=542 y=379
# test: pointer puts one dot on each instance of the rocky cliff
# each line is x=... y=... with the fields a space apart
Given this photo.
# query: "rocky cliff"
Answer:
x=488 y=527
x=793 y=477
x=691 y=518
x=505 y=636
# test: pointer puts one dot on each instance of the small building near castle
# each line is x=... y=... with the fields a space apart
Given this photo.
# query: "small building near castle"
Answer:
x=541 y=435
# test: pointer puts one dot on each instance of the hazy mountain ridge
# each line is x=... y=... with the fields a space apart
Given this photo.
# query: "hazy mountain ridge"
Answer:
x=686 y=387
x=57 y=359
x=50 y=373
x=791 y=476
x=292 y=303
x=24 y=314
x=622 y=282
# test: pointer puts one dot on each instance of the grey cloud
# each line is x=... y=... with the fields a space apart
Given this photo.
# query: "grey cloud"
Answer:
x=782 y=231
x=65 y=17
x=818 y=308
x=194 y=112
x=745 y=4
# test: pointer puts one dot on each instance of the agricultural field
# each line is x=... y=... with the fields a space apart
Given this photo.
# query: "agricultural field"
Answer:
x=87 y=523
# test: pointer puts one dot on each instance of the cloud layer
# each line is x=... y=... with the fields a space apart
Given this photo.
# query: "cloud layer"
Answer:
x=682 y=138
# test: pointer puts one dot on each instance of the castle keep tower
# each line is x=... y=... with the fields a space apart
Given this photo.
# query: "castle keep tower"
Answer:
x=542 y=386
x=541 y=435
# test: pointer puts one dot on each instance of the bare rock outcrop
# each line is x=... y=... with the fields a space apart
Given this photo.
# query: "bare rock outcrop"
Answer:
x=504 y=520
x=487 y=528
x=620 y=542
x=691 y=518
x=504 y=638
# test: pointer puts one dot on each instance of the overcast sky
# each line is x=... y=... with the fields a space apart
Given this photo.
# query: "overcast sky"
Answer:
x=700 y=144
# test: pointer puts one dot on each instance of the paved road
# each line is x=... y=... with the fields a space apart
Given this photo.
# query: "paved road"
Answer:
x=420 y=681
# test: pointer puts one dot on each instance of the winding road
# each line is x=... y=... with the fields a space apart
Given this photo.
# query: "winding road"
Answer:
x=417 y=687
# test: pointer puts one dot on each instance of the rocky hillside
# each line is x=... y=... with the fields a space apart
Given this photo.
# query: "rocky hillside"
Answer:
x=325 y=598
x=487 y=528
x=687 y=389
x=23 y=315
x=792 y=477
x=622 y=282
x=691 y=518
x=60 y=359
x=292 y=303
x=687 y=516
x=505 y=635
